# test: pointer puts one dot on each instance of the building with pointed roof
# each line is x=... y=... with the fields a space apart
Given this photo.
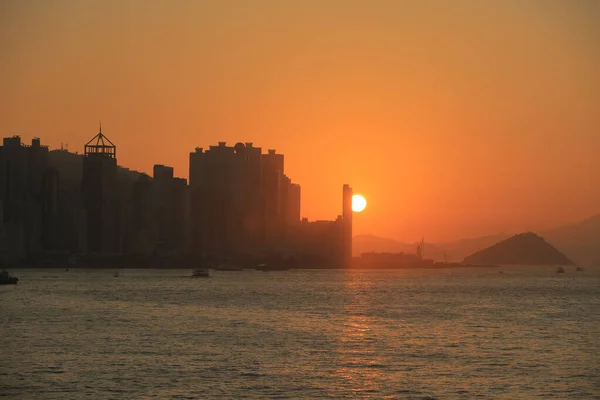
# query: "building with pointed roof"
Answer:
x=100 y=195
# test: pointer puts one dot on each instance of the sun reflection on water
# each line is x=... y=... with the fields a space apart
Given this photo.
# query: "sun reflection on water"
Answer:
x=359 y=362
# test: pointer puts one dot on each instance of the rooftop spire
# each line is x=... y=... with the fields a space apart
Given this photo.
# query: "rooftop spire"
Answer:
x=100 y=144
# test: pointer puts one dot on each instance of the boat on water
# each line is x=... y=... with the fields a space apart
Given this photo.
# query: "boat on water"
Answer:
x=262 y=267
x=267 y=268
x=116 y=274
x=560 y=270
x=6 y=279
x=200 y=273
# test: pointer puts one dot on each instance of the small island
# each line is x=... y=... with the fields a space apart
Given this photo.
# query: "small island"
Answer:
x=522 y=249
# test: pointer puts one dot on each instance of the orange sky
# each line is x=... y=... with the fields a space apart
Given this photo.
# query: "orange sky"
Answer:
x=454 y=119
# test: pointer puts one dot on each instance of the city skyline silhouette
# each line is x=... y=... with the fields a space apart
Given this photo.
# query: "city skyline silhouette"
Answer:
x=238 y=205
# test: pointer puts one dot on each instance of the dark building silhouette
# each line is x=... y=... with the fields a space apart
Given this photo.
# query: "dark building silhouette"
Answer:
x=180 y=192
x=221 y=200
x=124 y=208
x=239 y=199
x=100 y=195
x=324 y=243
x=28 y=209
x=163 y=182
x=213 y=183
x=242 y=203
x=143 y=216
x=160 y=214
x=71 y=231
x=50 y=212
x=171 y=202
x=347 y=225
x=239 y=204
x=293 y=203
x=275 y=192
x=316 y=243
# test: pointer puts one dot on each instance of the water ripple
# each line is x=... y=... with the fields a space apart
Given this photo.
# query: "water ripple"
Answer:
x=301 y=334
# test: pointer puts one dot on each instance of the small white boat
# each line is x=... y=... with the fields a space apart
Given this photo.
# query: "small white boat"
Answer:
x=267 y=267
x=200 y=273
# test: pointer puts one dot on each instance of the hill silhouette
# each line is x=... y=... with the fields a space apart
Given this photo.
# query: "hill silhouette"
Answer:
x=370 y=243
x=458 y=250
x=579 y=241
x=451 y=251
x=523 y=249
x=367 y=243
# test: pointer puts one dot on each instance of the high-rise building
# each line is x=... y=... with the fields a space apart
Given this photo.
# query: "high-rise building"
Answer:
x=50 y=211
x=100 y=195
x=226 y=198
x=238 y=199
x=248 y=198
x=288 y=207
x=163 y=179
x=71 y=234
x=347 y=225
x=170 y=199
x=181 y=216
x=274 y=187
x=211 y=184
x=27 y=197
x=293 y=204
x=143 y=217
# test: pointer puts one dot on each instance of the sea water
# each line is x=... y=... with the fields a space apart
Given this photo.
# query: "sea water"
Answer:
x=409 y=334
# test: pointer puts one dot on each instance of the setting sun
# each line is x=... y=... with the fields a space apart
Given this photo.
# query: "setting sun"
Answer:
x=358 y=203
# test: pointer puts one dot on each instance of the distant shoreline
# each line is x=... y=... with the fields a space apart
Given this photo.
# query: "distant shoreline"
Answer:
x=188 y=267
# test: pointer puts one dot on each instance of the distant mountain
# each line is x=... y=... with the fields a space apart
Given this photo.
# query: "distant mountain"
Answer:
x=367 y=243
x=457 y=251
x=580 y=241
x=522 y=249
x=452 y=251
